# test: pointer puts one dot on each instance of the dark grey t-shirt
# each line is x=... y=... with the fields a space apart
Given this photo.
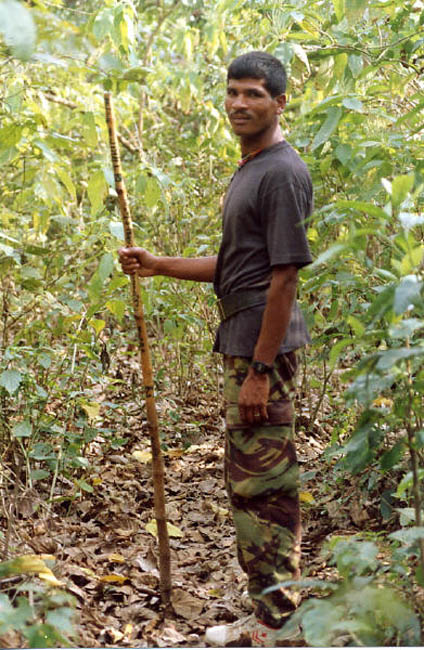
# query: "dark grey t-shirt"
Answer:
x=266 y=204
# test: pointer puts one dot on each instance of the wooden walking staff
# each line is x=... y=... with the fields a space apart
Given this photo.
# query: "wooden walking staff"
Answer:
x=146 y=366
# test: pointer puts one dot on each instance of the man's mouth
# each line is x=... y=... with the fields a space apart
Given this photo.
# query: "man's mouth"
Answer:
x=239 y=118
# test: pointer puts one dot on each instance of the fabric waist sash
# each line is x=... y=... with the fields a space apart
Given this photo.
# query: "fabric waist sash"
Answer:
x=234 y=302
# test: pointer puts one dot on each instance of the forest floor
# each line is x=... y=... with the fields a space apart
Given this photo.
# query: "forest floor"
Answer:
x=107 y=558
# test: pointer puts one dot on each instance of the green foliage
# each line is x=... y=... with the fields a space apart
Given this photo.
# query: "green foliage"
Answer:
x=17 y=28
x=44 y=617
x=354 y=113
x=364 y=609
x=46 y=623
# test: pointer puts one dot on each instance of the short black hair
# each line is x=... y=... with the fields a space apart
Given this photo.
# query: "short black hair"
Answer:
x=260 y=65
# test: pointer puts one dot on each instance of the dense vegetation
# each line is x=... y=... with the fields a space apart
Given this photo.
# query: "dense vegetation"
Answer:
x=355 y=106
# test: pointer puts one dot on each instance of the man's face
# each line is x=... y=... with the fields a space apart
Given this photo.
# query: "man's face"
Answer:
x=250 y=107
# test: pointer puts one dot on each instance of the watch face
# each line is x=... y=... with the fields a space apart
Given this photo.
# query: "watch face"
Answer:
x=260 y=367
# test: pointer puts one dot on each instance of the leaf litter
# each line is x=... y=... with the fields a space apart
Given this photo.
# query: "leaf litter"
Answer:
x=104 y=540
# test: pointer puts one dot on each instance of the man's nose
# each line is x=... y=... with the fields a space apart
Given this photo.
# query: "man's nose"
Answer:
x=239 y=101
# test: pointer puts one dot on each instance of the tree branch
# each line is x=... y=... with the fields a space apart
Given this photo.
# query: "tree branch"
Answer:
x=51 y=97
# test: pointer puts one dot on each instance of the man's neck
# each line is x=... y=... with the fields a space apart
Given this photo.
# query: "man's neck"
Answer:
x=265 y=140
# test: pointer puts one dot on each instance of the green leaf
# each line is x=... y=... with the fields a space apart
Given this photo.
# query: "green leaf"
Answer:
x=10 y=135
x=391 y=457
x=407 y=483
x=301 y=55
x=10 y=380
x=419 y=575
x=357 y=326
x=90 y=130
x=18 y=28
x=44 y=360
x=41 y=451
x=48 y=153
x=355 y=9
x=328 y=127
x=389 y=358
x=406 y=328
x=353 y=104
x=8 y=251
x=13 y=616
x=419 y=439
x=327 y=255
x=152 y=192
x=355 y=63
x=363 y=206
x=407 y=293
x=339 y=9
x=284 y=52
x=22 y=429
x=401 y=186
x=103 y=23
x=39 y=474
x=67 y=181
x=382 y=303
x=117 y=307
x=318 y=621
x=97 y=324
x=408 y=535
x=336 y=350
x=412 y=260
x=106 y=266
x=61 y=619
x=407 y=516
x=343 y=152
x=97 y=189
x=95 y=287
x=353 y=556
x=117 y=230
x=43 y=635
x=84 y=485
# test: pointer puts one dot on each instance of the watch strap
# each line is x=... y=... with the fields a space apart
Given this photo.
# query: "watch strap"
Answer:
x=261 y=368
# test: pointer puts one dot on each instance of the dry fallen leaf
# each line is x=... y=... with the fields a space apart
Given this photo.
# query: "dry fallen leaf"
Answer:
x=142 y=456
x=358 y=513
x=113 y=634
x=171 y=635
x=114 y=578
x=186 y=605
x=173 y=531
x=306 y=497
x=221 y=512
x=128 y=629
x=31 y=564
x=116 y=557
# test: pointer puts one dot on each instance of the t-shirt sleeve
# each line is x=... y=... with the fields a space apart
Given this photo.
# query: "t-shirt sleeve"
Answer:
x=284 y=208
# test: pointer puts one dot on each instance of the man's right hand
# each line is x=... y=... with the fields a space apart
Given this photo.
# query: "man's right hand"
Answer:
x=137 y=261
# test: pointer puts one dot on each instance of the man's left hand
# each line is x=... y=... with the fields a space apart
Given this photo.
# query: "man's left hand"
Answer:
x=253 y=398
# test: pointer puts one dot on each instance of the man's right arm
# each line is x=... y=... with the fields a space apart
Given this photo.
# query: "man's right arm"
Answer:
x=139 y=261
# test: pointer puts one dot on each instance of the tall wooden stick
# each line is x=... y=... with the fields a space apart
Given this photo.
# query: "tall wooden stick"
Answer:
x=146 y=366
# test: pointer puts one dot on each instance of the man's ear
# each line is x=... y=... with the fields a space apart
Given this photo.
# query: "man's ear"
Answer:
x=281 y=103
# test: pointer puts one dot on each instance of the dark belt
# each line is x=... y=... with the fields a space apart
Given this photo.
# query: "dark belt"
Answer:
x=235 y=302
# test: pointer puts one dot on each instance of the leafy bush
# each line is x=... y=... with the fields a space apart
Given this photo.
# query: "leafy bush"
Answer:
x=364 y=608
x=44 y=617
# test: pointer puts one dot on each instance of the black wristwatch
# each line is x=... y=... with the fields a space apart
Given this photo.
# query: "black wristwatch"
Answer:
x=261 y=368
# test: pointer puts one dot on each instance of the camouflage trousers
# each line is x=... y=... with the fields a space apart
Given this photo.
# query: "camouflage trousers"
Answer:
x=262 y=476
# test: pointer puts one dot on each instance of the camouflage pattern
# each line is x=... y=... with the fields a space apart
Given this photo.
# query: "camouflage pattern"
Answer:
x=262 y=476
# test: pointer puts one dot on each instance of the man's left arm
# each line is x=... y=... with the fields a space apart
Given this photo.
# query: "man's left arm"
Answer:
x=281 y=294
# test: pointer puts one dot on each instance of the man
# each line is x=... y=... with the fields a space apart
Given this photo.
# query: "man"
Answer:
x=255 y=278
